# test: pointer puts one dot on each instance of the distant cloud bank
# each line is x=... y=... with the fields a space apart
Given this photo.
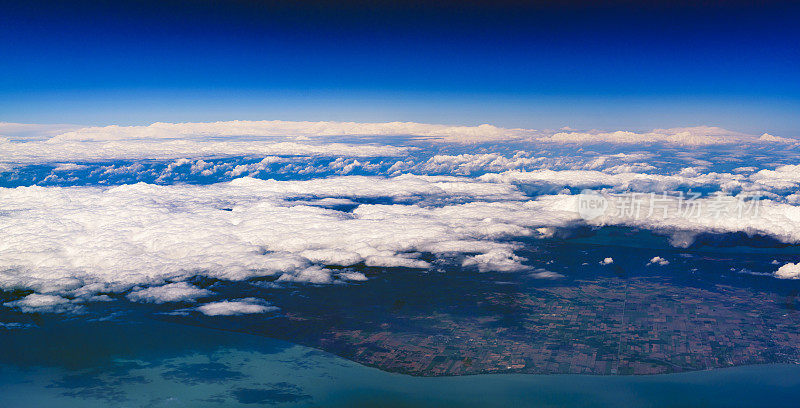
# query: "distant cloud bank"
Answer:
x=27 y=144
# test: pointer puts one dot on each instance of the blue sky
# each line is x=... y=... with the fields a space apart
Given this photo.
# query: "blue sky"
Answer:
x=538 y=65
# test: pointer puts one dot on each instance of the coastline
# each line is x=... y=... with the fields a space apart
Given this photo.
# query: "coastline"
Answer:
x=255 y=369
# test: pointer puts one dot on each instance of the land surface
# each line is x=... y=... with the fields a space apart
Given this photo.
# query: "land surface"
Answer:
x=609 y=326
x=706 y=309
x=698 y=313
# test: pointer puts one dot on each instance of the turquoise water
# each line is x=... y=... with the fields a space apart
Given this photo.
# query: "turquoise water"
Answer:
x=187 y=367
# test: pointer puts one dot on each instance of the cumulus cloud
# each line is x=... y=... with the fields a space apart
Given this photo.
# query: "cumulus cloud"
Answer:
x=173 y=292
x=657 y=260
x=607 y=261
x=38 y=303
x=236 y=307
x=783 y=177
x=352 y=276
x=766 y=137
x=788 y=271
x=83 y=240
x=500 y=259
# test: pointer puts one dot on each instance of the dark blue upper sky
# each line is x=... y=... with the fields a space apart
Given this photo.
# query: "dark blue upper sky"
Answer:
x=624 y=64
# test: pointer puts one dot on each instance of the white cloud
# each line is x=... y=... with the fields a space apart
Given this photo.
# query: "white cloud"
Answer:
x=766 y=137
x=395 y=261
x=500 y=259
x=284 y=130
x=783 y=177
x=173 y=292
x=788 y=271
x=79 y=241
x=296 y=130
x=235 y=138
x=465 y=164
x=25 y=131
x=715 y=214
x=545 y=274
x=38 y=303
x=352 y=276
x=54 y=150
x=688 y=177
x=686 y=136
x=164 y=141
x=607 y=261
x=236 y=307
x=88 y=239
x=69 y=167
x=310 y=274
x=657 y=260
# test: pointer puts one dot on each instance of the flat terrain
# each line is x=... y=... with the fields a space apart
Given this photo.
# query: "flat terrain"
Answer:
x=697 y=313
x=609 y=326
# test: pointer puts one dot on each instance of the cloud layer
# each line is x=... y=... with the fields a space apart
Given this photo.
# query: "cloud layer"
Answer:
x=81 y=241
x=76 y=228
x=28 y=144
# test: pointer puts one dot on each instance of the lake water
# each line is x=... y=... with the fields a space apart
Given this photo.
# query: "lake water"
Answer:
x=166 y=365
